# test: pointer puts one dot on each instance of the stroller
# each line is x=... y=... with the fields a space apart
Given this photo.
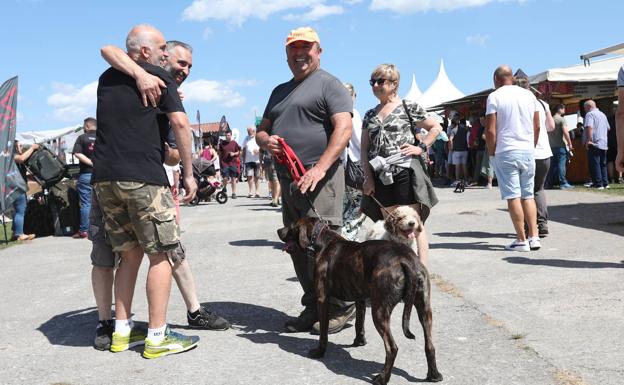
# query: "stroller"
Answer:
x=207 y=184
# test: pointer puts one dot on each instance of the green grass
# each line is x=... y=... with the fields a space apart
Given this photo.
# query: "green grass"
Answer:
x=9 y=231
x=614 y=189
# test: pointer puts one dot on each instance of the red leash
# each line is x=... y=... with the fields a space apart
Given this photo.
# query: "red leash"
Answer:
x=290 y=160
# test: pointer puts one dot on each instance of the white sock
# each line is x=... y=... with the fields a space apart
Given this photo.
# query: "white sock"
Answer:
x=157 y=335
x=123 y=326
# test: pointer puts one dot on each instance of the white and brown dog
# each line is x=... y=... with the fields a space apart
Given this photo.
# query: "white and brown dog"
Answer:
x=402 y=225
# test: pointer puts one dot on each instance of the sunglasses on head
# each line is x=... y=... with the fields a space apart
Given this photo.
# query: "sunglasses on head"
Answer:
x=380 y=82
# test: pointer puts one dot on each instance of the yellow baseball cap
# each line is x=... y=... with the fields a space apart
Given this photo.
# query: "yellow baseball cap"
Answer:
x=303 y=34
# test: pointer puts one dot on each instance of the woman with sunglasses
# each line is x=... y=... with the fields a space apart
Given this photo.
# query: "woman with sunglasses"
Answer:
x=398 y=174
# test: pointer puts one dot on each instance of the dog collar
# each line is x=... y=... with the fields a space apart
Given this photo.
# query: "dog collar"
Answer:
x=316 y=232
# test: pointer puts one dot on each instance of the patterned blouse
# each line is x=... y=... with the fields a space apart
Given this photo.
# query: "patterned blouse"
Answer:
x=386 y=137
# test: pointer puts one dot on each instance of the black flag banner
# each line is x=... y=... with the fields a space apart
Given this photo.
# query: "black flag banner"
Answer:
x=11 y=182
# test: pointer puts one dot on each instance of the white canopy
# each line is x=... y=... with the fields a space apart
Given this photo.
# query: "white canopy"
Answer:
x=599 y=70
x=30 y=137
x=613 y=50
x=65 y=139
x=442 y=90
x=414 y=92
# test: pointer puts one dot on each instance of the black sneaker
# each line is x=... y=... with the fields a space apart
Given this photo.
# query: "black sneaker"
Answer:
x=542 y=232
x=303 y=323
x=206 y=319
x=104 y=335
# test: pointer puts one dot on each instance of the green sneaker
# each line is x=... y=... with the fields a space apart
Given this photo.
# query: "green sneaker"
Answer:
x=173 y=343
x=136 y=337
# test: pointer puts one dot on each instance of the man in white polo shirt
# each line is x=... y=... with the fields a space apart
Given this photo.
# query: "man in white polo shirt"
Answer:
x=512 y=131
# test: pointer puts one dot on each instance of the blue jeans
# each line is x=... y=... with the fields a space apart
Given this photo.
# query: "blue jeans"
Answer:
x=19 y=208
x=598 y=166
x=84 y=192
x=557 y=174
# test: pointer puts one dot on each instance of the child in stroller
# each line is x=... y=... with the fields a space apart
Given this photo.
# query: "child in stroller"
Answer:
x=208 y=184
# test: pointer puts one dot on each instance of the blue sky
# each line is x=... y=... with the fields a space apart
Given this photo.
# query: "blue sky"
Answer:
x=239 y=57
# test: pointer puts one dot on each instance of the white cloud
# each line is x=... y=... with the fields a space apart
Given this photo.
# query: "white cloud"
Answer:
x=211 y=91
x=207 y=34
x=477 y=39
x=413 y=6
x=351 y=2
x=317 y=12
x=238 y=11
x=71 y=102
x=19 y=117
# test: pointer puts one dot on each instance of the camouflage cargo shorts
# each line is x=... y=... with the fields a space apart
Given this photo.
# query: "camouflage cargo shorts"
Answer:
x=138 y=214
x=102 y=254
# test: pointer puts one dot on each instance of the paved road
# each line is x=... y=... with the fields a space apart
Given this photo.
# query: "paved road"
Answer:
x=554 y=316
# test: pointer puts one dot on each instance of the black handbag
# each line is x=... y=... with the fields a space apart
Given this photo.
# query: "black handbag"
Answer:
x=354 y=174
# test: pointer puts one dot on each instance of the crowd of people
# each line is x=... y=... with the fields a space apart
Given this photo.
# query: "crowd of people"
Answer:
x=130 y=156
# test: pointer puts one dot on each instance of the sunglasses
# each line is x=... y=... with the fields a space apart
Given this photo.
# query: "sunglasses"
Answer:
x=380 y=82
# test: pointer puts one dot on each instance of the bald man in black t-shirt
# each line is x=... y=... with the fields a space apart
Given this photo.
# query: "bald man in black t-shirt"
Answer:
x=132 y=189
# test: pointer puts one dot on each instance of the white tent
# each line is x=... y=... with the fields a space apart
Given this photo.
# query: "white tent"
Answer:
x=30 y=137
x=442 y=90
x=414 y=92
x=60 y=141
x=613 y=50
x=598 y=71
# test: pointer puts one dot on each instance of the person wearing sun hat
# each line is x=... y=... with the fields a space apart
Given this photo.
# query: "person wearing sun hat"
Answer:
x=312 y=113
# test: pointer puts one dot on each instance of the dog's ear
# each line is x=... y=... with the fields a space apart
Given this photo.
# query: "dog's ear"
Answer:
x=284 y=233
x=304 y=240
x=389 y=223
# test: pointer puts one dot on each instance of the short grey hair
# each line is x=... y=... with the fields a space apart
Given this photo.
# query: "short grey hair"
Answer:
x=136 y=40
x=349 y=86
x=171 y=44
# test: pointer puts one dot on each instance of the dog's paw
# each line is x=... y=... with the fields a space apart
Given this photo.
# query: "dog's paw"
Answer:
x=379 y=379
x=316 y=353
x=434 y=377
x=359 y=341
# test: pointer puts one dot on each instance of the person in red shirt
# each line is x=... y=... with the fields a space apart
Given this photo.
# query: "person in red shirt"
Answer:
x=229 y=154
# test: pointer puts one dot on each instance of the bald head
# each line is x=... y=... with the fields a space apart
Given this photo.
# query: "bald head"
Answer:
x=146 y=43
x=589 y=105
x=503 y=76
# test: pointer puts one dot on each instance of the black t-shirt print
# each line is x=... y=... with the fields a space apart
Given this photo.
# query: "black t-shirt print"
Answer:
x=85 y=145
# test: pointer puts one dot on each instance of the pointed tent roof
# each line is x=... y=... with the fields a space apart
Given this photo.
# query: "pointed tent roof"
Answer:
x=414 y=92
x=441 y=90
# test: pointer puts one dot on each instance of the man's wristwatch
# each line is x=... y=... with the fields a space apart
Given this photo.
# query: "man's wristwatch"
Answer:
x=423 y=146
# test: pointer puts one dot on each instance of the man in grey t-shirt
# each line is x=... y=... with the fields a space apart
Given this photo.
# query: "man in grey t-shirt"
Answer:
x=312 y=113
x=596 y=132
x=619 y=122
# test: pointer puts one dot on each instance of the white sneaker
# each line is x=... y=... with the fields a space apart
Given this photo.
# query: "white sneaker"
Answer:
x=518 y=246
x=534 y=243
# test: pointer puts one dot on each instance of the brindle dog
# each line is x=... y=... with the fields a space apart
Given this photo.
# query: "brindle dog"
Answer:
x=384 y=271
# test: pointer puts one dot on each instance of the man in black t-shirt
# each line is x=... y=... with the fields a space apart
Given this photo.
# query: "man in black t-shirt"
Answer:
x=132 y=190
x=83 y=150
x=312 y=112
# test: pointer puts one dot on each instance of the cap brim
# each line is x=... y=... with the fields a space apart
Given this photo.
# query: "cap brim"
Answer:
x=306 y=40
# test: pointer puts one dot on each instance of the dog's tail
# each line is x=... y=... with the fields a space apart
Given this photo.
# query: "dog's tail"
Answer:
x=409 y=296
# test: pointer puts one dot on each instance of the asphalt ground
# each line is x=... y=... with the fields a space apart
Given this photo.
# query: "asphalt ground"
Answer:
x=553 y=316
